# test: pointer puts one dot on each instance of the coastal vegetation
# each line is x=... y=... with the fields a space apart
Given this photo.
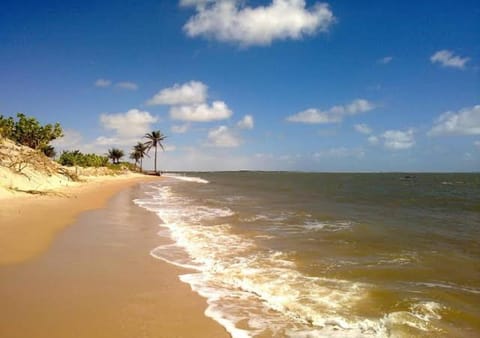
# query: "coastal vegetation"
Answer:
x=155 y=139
x=77 y=158
x=140 y=150
x=29 y=132
x=115 y=155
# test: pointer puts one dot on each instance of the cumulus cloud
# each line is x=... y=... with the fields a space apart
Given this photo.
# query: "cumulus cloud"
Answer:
x=335 y=114
x=233 y=21
x=223 y=137
x=447 y=58
x=71 y=139
x=385 y=60
x=188 y=102
x=127 y=85
x=399 y=140
x=246 y=122
x=464 y=122
x=103 y=83
x=130 y=124
x=373 y=139
x=193 y=92
x=362 y=128
x=204 y=112
x=180 y=129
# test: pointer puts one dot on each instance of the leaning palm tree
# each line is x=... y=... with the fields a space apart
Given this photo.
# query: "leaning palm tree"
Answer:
x=155 y=139
x=115 y=155
x=141 y=149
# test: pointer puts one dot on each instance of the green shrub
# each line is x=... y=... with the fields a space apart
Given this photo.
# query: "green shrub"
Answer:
x=28 y=131
x=7 y=126
x=76 y=158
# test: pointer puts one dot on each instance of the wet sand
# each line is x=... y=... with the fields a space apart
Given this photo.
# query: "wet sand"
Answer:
x=29 y=223
x=96 y=279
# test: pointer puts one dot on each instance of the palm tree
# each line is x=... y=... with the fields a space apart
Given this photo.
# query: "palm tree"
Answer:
x=135 y=155
x=155 y=139
x=141 y=149
x=115 y=155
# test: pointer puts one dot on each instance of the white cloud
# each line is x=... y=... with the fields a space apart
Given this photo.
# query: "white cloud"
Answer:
x=339 y=152
x=399 y=140
x=313 y=115
x=373 y=139
x=385 y=60
x=103 y=83
x=446 y=58
x=180 y=129
x=464 y=122
x=363 y=128
x=189 y=103
x=71 y=139
x=232 y=21
x=130 y=124
x=246 y=122
x=107 y=141
x=170 y=148
x=223 y=137
x=335 y=114
x=204 y=112
x=193 y=92
x=127 y=85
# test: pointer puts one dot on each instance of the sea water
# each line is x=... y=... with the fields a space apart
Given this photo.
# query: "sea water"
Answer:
x=326 y=255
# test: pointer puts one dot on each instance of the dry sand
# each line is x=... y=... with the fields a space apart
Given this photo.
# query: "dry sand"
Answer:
x=94 y=278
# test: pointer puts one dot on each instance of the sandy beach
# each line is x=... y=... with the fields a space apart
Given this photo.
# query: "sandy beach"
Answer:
x=67 y=270
x=30 y=222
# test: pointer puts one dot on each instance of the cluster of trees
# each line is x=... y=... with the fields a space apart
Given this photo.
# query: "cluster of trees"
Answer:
x=141 y=149
x=76 y=158
x=29 y=132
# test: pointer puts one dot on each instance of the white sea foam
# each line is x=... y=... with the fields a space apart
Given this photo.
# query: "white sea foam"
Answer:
x=452 y=286
x=252 y=291
x=186 y=178
x=328 y=226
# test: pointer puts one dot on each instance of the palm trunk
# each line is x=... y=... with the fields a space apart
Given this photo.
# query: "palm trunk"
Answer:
x=141 y=164
x=155 y=159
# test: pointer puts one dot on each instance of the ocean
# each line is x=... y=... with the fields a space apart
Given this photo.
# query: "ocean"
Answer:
x=283 y=254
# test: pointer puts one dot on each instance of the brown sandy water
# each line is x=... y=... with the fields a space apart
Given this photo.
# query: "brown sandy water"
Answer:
x=98 y=280
x=328 y=255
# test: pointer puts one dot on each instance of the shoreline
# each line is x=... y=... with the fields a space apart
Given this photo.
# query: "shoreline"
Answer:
x=31 y=222
x=97 y=279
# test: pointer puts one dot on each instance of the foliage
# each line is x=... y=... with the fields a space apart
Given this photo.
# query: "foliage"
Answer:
x=49 y=151
x=138 y=153
x=122 y=166
x=76 y=158
x=29 y=132
x=7 y=126
x=115 y=155
x=155 y=139
x=135 y=155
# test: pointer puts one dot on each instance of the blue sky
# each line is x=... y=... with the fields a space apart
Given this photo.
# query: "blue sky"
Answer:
x=282 y=85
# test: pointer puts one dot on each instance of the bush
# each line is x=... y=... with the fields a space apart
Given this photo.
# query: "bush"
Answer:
x=49 y=151
x=28 y=131
x=7 y=126
x=76 y=158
